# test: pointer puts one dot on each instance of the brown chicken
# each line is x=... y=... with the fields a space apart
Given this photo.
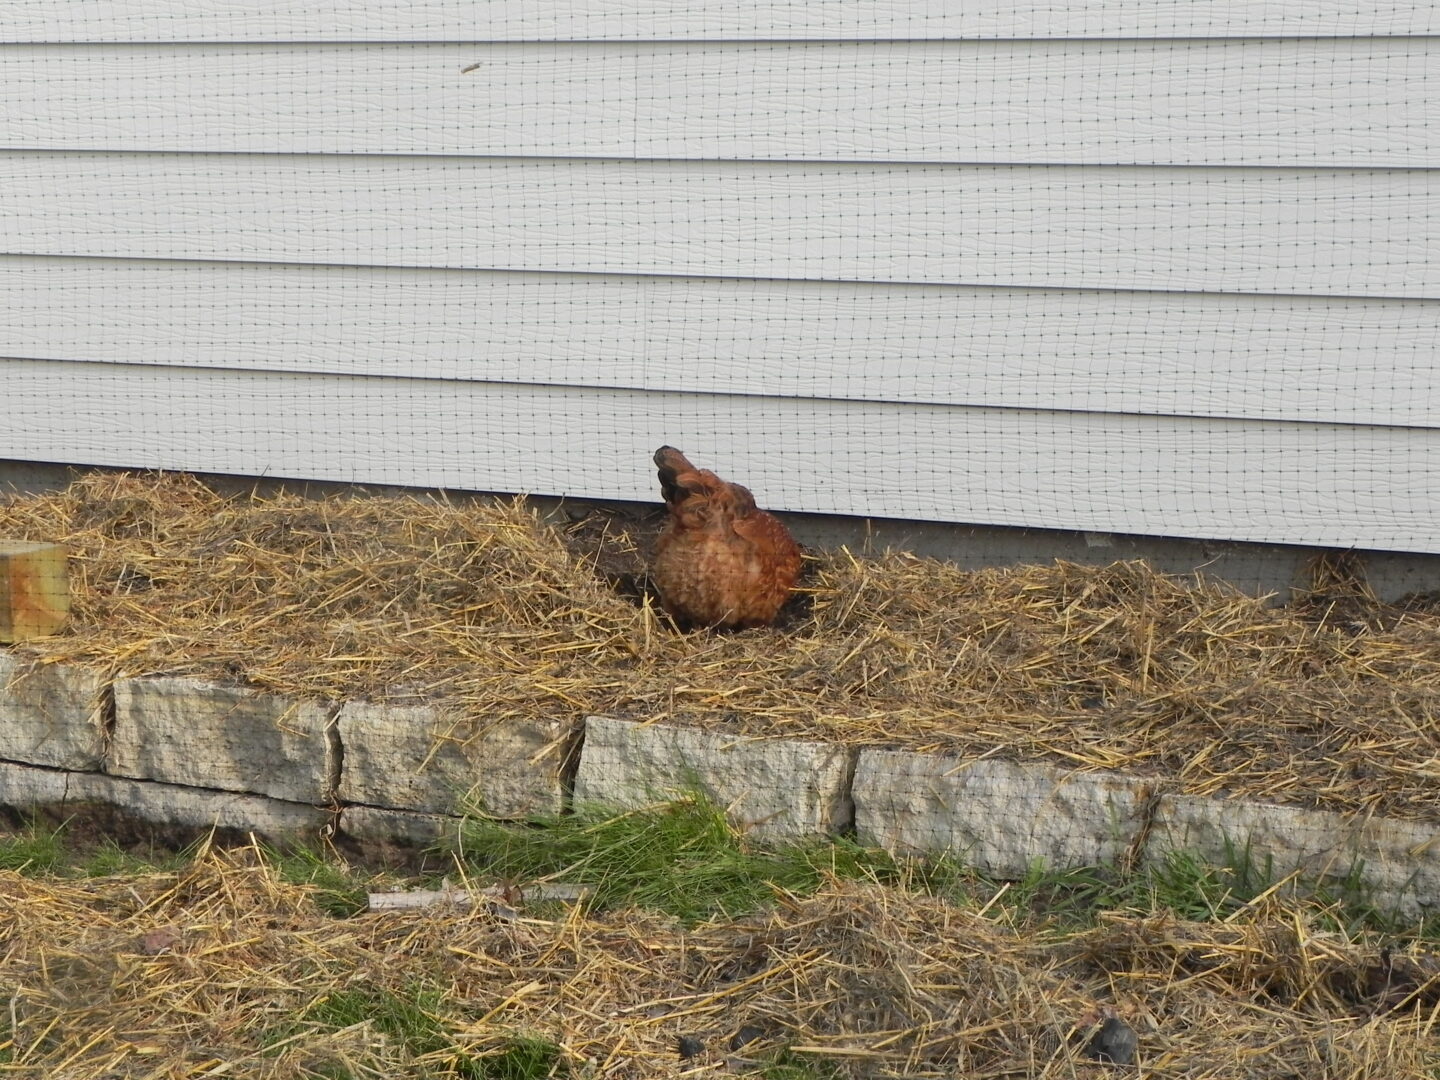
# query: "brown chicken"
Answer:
x=720 y=560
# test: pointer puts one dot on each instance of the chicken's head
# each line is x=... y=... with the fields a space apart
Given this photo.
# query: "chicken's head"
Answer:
x=697 y=497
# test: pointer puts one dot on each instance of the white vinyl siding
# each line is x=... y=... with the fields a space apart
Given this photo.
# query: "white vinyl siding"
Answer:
x=1223 y=355
x=1314 y=102
x=703 y=20
x=1070 y=470
x=1351 y=232
x=1165 y=268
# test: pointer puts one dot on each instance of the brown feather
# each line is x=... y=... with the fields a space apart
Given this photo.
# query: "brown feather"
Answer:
x=720 y=561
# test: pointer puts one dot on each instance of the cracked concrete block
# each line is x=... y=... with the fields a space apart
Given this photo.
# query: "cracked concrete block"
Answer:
x=420 y=757
x=774 y=788
x=171 y=804
x=186 y=731
x=51 y=714
x=25 y=787
x=373 y=824
x=998 y=816
x=1398 y=860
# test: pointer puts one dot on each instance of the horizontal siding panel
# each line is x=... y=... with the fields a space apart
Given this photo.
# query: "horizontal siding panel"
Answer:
x=1349 y=232
x=465 y=20
x=1347 y=102
x=1261 y=357
x=1240 y=480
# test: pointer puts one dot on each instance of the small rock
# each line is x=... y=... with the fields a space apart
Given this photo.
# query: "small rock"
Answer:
x=159 y=941
x=747 y=1034
x=1113 y=1043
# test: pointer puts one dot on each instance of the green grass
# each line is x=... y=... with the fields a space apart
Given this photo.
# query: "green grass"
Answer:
x=412 y=1020
x=338 y=889
x=789 y=1066
x=409 y=1019
x=33 y=851
x=1181 y=885
x=524 y=1059
x=682 y=858
x=38 y=851
x=1189 y=888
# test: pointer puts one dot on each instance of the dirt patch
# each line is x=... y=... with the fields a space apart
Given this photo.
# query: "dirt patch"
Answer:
x=1331 y=702
x=92 y=827
x=99 y=828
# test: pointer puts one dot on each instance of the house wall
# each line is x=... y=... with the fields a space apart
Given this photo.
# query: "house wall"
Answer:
x=1166 y=272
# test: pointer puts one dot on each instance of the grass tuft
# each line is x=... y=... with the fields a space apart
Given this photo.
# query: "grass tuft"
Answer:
x=790 y=1066
x=523 y=1059
x=337 y=889
x=33 y=851
x=412 y=1019
x=680 y=857
x=408 y=1018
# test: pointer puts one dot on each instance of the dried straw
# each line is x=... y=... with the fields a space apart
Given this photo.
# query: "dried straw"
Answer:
x=1331 y=702
x=221 y=969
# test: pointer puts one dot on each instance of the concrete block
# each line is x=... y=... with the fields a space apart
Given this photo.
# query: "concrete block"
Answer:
x=373 y=824
x=186 y=731
x=1399 y=861
x=25 y=787
x=998 y=816
x=419 y=757
x=171 y=804
x=51 y=714
x=776 y=788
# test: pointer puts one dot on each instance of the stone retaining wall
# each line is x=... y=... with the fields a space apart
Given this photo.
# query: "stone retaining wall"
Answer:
x=187 y=752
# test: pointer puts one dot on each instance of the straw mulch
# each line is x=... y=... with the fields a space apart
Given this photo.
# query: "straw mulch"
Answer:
x=1332 y=702
x=221 y=969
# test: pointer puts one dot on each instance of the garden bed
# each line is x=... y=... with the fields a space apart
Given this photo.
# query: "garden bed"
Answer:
x=486 y=610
